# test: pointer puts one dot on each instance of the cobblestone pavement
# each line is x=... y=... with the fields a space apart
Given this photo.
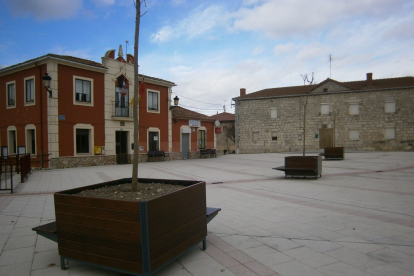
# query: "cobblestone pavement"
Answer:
x=358 y=219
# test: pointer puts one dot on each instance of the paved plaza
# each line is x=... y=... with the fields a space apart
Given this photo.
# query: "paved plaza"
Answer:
x=358 y=219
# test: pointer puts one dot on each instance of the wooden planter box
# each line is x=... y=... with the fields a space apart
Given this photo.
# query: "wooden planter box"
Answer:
x=131 y=237
x=333 y=153
x=302 y=166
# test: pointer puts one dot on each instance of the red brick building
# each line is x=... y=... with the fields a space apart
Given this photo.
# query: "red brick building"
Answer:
x=67 y=122
x=86 y=119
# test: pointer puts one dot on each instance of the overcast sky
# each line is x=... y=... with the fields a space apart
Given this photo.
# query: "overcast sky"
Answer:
x=211 y=49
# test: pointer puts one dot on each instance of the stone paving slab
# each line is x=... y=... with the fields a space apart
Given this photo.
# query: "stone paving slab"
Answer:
x=358 y=219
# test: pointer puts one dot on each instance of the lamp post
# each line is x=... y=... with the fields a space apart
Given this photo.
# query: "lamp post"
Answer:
x=46 y=83
x=176 y=99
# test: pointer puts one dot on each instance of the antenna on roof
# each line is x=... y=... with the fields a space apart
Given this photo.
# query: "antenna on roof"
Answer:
x=224 y=106
x=126 y=47
x=330 y=66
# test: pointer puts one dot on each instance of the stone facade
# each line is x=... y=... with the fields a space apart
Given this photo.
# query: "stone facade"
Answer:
x=222 y=141
x=362 y=120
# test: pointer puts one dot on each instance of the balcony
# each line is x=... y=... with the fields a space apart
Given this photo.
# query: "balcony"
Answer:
x=121 y=111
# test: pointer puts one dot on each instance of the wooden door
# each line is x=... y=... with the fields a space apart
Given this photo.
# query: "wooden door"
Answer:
x=325 y=138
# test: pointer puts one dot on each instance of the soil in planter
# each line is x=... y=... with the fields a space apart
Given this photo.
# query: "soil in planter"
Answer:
x=145 y=191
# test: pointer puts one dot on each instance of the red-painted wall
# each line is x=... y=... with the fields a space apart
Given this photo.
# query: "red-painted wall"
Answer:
x=22 y=115
x=78 y=114
x=155 y=120
x=176 y=135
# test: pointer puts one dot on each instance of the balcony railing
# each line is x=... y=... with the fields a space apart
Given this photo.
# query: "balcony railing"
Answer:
x=121 y=109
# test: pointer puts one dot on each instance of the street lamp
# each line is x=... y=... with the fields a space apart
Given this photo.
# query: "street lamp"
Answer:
x=176 y=99
x=46 y=83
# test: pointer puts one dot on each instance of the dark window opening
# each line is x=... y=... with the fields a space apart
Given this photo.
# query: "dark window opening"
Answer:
x=201 y=139
x=82 y=141
x=83 y=91
x=153 y=141
x=152 y=101
x=30 y=91
x=11 y=99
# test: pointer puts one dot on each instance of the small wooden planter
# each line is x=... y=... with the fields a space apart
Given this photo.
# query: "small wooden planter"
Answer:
x=333 y=153
x=302 y=166
x=137 y=238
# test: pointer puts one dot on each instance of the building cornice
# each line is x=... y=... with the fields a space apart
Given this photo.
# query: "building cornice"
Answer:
x=324 y=93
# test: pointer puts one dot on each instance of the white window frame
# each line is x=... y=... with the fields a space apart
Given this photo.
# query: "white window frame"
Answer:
x=389 y=107
x=353 y=109
x=158 y=98
x=7 y=95
x=354 y=135
x=154 y=129
x=322 y=109
x=74 y=91
x=28 y=143
x=91 y=139
x=273 y=112
x=26 y=103
x=389 y=133
x=9 y=146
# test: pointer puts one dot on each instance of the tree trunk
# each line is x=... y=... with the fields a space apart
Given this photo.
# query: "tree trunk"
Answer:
x=134 y=184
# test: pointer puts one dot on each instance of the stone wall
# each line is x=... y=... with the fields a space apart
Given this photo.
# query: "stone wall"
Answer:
x=102 y=160
x=222 y=142
x=255 y=127
x=87 y=161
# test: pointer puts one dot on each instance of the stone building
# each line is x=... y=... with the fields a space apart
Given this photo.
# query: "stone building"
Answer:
x=373 y=114
x=225 y=138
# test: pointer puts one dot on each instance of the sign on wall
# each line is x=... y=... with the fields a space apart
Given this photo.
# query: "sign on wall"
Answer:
x=194 y=123
x=218 y=130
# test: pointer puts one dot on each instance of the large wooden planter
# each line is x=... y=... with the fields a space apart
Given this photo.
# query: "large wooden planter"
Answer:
x=132 y=237
x=302 y=166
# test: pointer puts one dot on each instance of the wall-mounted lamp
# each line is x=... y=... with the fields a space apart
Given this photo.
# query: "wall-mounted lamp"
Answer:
x=176 y=99
x=175 y=120
x=46 y=83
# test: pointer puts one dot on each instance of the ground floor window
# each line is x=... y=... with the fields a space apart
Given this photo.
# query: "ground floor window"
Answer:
x=82 y=140
x=31 y=141
x=12 y=145
x=201 y=139
x=153 y=140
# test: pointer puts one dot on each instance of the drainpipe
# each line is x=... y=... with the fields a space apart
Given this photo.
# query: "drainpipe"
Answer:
x=41 y=115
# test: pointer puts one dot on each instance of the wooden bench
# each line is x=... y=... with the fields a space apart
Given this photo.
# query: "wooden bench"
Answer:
x=333 y=153
x=302 y=166
x=158 y=153
x=208 y=152
x=49 y=230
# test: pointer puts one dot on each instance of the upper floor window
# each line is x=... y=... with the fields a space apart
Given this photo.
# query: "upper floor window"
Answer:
x=389 y=107
x=353 y=109
x=29 y=90
x=273 y=112
x=153 y=101
x=324 y=108
x=83 y=91
x=11 y=95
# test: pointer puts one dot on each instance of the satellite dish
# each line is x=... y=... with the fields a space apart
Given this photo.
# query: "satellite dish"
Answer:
x=217 y=123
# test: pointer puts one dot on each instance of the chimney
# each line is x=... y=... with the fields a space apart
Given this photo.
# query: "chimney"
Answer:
x=369 y=79
x=242 y=91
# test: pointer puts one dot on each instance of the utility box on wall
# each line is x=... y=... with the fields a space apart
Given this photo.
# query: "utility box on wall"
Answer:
x=99 y=150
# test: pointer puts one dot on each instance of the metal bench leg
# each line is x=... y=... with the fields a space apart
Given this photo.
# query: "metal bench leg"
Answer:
x=62 y=263
x=204 y=244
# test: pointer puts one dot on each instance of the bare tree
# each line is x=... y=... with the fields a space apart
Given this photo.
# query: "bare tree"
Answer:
x=231 y=133
x=134 y=184
x=308 y=81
